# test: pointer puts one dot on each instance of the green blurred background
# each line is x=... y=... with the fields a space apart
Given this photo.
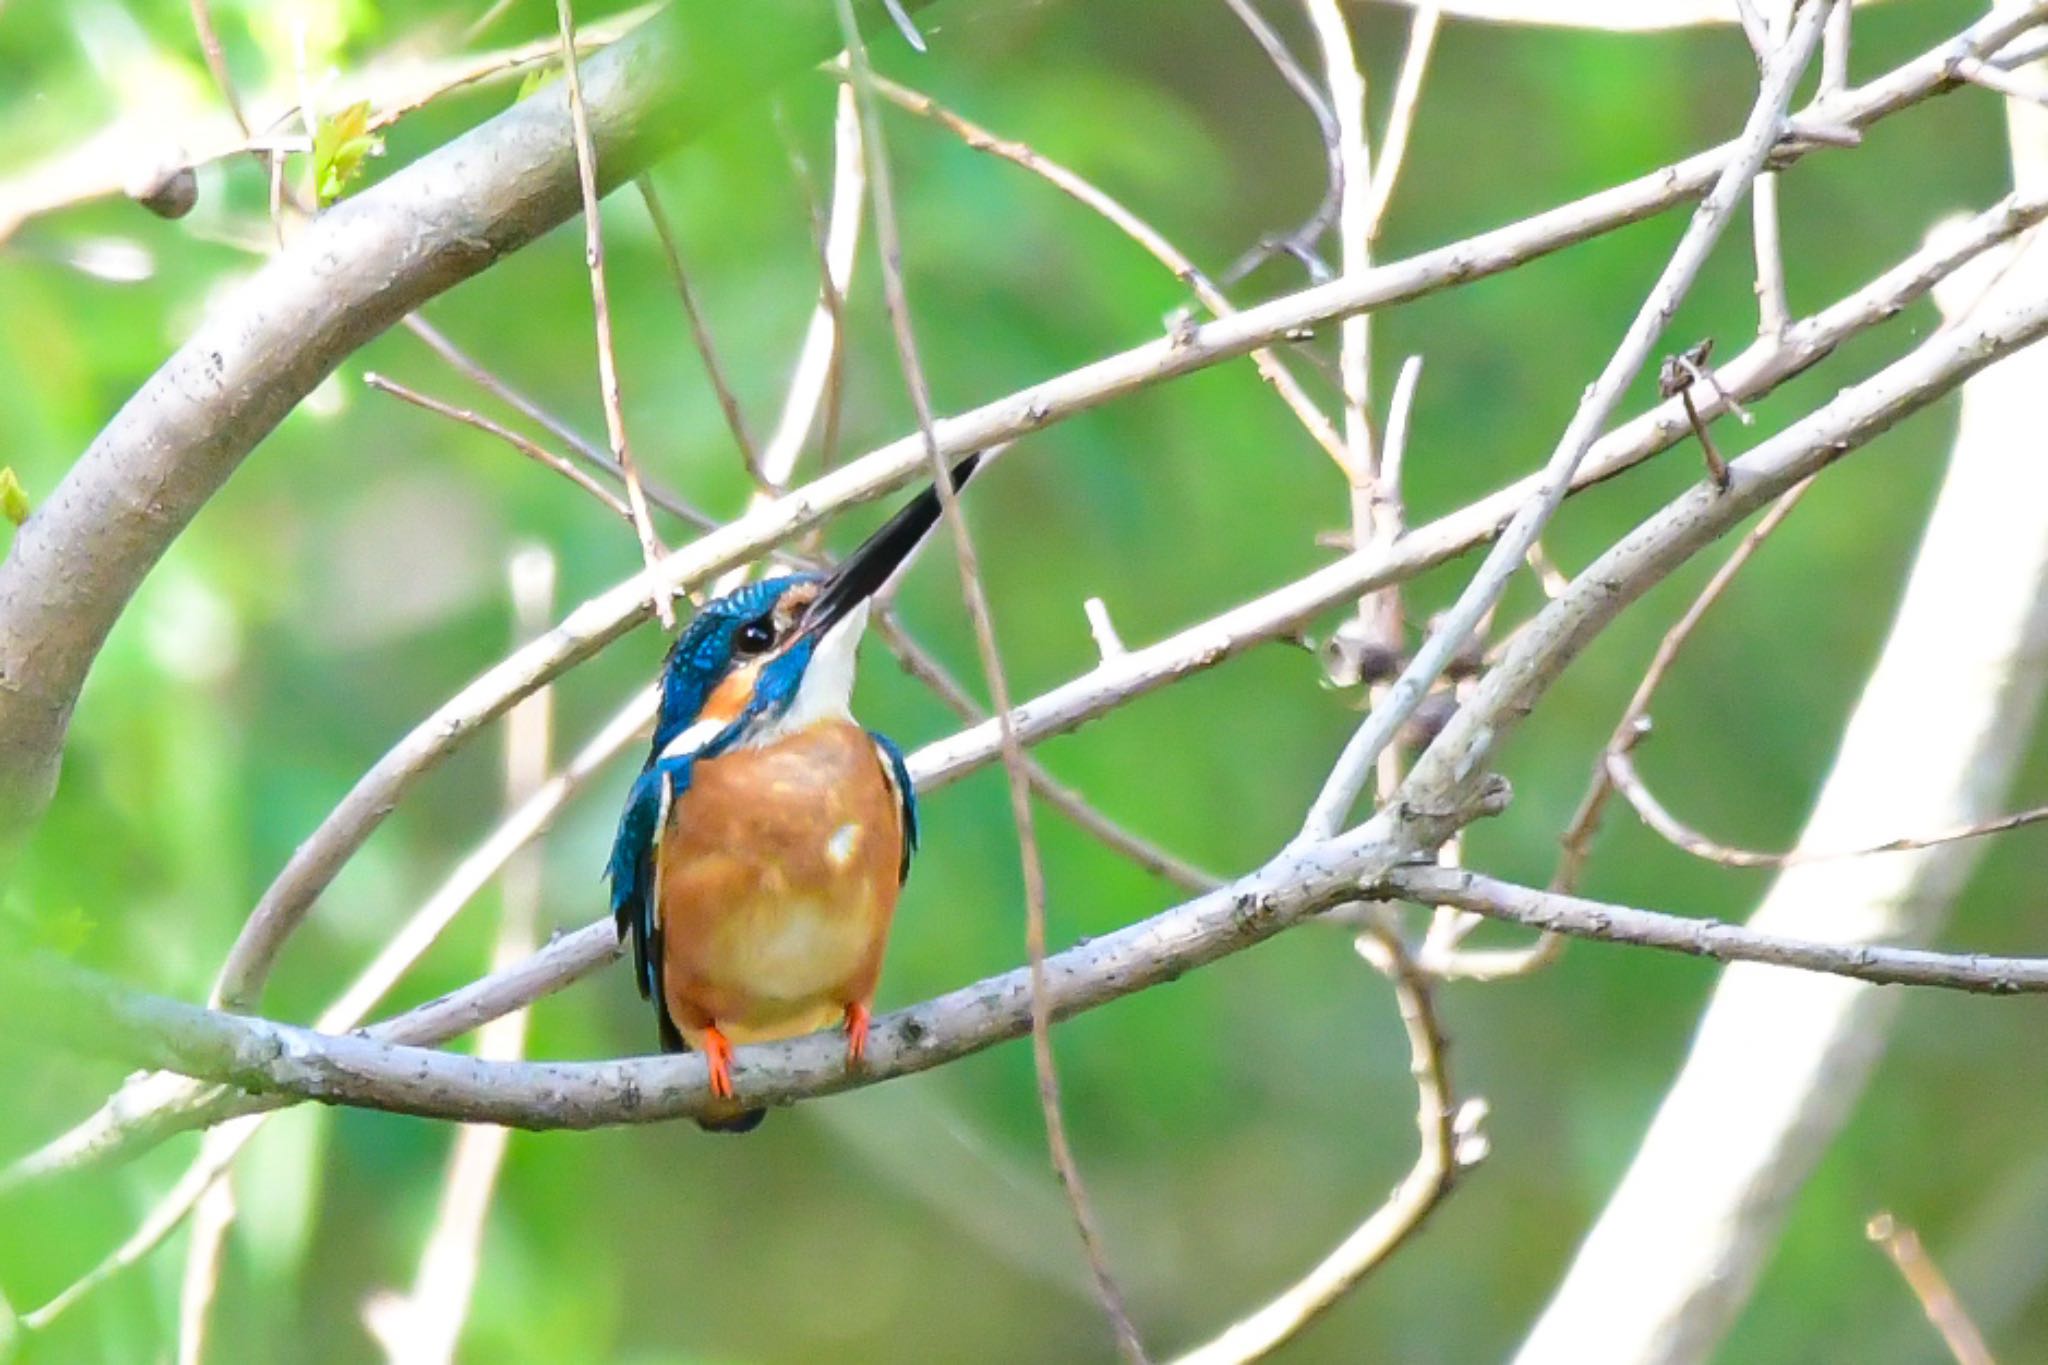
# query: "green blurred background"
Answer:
x=1232 y=1126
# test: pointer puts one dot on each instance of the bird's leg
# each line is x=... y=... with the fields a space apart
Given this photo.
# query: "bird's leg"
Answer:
x=856 y=1032
x=718 y=1056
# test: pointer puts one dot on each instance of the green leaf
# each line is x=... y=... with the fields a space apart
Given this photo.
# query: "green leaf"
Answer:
x=13 y=497
x=542 y=74
x=340 y=144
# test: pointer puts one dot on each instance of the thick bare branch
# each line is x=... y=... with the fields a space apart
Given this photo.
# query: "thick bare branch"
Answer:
x=356 y=269
x=354 y=1069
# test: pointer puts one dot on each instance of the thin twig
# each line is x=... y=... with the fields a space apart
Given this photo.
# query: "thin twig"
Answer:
x=478 y=25
x=592 y=454
x=1975 y=973
x=1626 y=778
x=1102 y=629
x=1393 y=153
x=607 y=363
x=1376 y=630
x=1445 y=1150
x=1937 y=1300
x=1834 y=50
x=890 y=247
x=919 y=664
x=1675 y=380
x=217 y=62
x=818 y=375
x=532 y=450
x=1756 y=29
x=1575 y=844
x=2011 y=84
x=1270 y=366
x=1773 y=311
x=700 y=331
x=1549 y=577
x=1302 y=242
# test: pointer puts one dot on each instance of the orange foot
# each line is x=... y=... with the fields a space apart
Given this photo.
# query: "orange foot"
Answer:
x=718 y=1056
x=856 y=1032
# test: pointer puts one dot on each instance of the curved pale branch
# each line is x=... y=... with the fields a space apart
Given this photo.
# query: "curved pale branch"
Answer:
x=1975 y=973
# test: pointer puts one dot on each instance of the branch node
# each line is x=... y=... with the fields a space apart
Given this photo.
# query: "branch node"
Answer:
x=1107 y=642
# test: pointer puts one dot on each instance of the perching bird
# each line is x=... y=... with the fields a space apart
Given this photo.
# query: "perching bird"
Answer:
x=764 y=843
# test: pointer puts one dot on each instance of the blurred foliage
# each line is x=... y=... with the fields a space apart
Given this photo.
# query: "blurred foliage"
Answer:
x=1233 y=1126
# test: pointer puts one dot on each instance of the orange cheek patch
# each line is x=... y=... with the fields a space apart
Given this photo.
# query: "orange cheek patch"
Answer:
x=730 y=697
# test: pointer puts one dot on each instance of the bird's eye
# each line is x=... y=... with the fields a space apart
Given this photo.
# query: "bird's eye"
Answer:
x=753 y=637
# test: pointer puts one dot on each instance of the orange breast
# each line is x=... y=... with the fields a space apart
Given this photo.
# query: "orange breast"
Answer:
x=778 y=875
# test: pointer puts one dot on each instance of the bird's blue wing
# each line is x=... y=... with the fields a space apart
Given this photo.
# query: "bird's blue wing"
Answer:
x=631 y=868
x=898 y=772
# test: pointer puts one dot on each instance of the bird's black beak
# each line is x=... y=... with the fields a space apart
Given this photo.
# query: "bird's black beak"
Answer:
x=861 y=574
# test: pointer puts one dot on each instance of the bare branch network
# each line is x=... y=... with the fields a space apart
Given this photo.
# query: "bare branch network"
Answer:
x=453 y=213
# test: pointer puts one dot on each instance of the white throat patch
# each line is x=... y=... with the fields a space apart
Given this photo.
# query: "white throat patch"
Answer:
x=826 y=692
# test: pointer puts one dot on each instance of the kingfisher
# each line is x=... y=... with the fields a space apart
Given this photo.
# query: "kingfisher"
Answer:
x=767 y=837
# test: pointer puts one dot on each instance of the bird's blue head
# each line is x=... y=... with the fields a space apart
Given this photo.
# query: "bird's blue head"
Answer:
x=780 y=653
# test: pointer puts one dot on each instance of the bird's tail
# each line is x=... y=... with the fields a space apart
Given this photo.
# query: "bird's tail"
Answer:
x=745 y=1121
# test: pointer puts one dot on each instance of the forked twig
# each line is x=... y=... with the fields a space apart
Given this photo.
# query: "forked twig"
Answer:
x=1760 y=133
x=533 y=450
x=593 y=455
